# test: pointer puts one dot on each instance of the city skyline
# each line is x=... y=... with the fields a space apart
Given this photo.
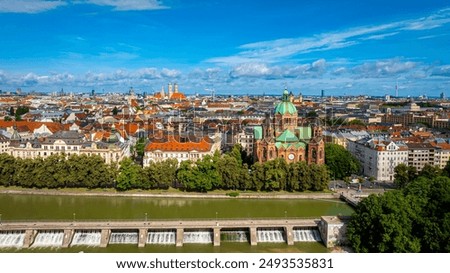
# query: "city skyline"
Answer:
x=255 y=47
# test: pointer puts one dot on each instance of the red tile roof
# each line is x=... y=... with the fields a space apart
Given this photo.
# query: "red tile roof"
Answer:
x=174 y=145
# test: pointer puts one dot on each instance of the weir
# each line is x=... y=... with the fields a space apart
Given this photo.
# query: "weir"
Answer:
x=140 y=233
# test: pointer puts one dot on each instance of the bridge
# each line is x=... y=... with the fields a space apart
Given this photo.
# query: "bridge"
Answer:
x=352 y=197
x=213 y=228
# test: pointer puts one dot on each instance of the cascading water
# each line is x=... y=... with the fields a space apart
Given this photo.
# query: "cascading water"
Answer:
x=198 y=237
x=12 y=239
x=161 y=237
x=234 y=236
x=49 y=238
x=90 y=238
x=270 y=236
x=124 y=237
x=307 y=235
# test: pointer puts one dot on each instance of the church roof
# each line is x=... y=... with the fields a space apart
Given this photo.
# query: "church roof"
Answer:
x=257 y=131
x=287 y=136
x=305 y=133
x=285 y=106
x=178 y=96
x=289 y=145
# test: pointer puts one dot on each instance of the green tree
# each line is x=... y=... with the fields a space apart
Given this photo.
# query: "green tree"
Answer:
x=22 y=110
x=311 y=114
x=257 y=176
x=115 y=111
x=11 y=111
x=446 y=170
x=51 y=172
x=432 y=197
x=356 y=122
x=319 y=176
x=186 y=176
x=130 y=175
x=140 y=147
x=230 y=171
x=275 y=175
x=208 y=173
x=7 y=163
x=198 y=177
x=415 y=218
x=304 y=176
x=404 y=175
x=24 y=175
x=383 y=224
x=160 y=175
x=340 y=162
x=430 y=171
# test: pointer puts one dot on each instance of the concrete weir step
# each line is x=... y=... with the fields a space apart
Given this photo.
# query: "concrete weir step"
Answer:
x=29 y=238
x=68 y=235
x=105 y=237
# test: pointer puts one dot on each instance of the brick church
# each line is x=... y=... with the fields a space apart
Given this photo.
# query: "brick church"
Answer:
x=284 y=135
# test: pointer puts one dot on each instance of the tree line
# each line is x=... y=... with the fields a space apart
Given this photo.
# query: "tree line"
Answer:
x=229 y=171
x=413 y=218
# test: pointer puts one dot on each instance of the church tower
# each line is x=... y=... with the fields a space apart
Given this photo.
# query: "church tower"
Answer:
x=316 y=147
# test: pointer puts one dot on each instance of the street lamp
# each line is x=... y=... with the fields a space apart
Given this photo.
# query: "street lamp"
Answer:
x=216 y=215
x=285 y=214
x=74 y=215
x=146 y=217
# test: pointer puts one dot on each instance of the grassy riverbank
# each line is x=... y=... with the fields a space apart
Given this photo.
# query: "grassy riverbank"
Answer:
x=170 y=193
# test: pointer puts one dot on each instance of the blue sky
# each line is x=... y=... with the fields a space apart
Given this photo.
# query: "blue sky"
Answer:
x=345 y=47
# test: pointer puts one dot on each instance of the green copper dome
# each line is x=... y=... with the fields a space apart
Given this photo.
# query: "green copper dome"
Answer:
x=285 y=106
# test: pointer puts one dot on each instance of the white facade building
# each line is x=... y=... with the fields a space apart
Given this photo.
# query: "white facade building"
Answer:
x=379 y=157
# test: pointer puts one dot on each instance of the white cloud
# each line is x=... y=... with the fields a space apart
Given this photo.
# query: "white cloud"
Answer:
x=443 y=71
x=170 y=73
x=3 y=77
x=432 y=21
x=251 y=70
x=273 y=51
x=37 y=6
x=319 y=65
x=28 y=6
x=383 y=68
x=266 y=71
x=381 y=36
x=126 y=5
x=148 y=73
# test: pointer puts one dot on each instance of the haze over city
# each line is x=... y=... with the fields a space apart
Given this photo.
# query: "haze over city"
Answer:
x=235 y=47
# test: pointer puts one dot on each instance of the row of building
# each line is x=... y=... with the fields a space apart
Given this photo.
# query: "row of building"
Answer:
x=379 y=156
x=176 y=126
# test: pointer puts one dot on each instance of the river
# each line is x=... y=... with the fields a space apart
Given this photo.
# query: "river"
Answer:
x=20 y=207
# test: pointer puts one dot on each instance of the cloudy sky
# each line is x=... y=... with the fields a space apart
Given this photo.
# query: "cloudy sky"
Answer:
x=346 y=47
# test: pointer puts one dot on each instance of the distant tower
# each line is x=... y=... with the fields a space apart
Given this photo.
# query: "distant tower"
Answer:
x=162 y=92
x=396 y=89
x=300 y=97
x=322 y=93
x=291 y=97
x=93 y=92
x=175 y=87
x=443 y=96
x=170 y=90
